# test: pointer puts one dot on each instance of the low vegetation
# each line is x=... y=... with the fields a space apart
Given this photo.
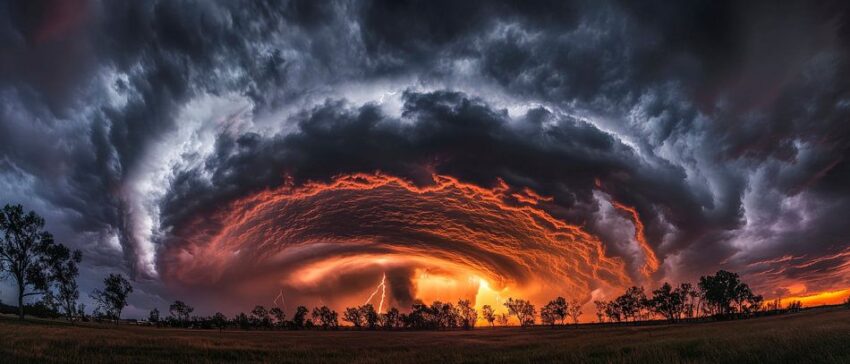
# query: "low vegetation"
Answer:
x=815 y=335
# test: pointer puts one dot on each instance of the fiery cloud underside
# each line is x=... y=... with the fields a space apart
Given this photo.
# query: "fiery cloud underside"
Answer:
x=446 y=240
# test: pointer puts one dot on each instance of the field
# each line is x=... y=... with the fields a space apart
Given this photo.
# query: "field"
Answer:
x=813 y=336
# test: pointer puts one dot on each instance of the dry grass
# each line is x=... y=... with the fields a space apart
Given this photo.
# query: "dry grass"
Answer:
x=815 y=336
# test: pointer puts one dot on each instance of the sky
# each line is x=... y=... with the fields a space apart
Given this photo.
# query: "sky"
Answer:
x=234 y=153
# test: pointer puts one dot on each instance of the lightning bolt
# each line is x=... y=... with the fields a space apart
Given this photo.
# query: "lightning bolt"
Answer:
x=383 y=288
x=282 y=300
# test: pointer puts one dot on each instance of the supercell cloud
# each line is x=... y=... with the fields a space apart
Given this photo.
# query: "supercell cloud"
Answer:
x=227 y=152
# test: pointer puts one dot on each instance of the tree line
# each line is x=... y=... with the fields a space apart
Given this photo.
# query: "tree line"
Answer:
x=41 y=267
x=721 y=295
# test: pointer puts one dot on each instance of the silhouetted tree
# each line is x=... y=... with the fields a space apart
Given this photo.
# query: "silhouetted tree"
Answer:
x=113 y=298
x=600 y=310
x=556 y=310
x=574 y=311
x=30 y=256
x=279 y=316
x=547 y=315
x=667 y=302
x=153 y=316
x=241 y=320
x=300 y=317
x=354 y=316
x=260 y=317
x=370 y=316
x=630 y=303
x=81 y=312
x=502 y=319
x=468 y=315
x=489 y=314
x=522 y=309
x=719 y=290
x=219 y=321
x=688 y=296
x=325 y=317
x=795 y=306
x=62 y=271
x=181 y=312
x=391 y=319
x=613 y=311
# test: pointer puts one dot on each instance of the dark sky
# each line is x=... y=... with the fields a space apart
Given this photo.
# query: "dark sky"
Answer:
x=670 y=138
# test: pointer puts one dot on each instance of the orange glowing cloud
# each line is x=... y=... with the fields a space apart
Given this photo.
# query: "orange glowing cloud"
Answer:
x=330 y=243
x=650 y=260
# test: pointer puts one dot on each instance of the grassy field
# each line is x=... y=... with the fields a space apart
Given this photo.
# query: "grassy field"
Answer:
x=812 y=336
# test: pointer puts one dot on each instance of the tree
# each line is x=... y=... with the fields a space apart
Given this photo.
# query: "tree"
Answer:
x=354 y=316
x=29 y=254
x=547 y=315
x=326 y=317
x=260 y=317
x=81 y=312
x=688 y=296
x=278 y=315
x=795 y=306
x=299 y=317
x=153 y=316
x=719 y=291
x=630 y=303
x=600 y=310
x=219 y=320
x=574 y=311
x=489 y=314
x=113 y=298
x=370 y=316
x=62 y=270
x=467 y=313
x=502 y=319
x=391 y=319
x=556 y=309
x=241 y=320
x=181 y=311
x=666 y=302
x=522 y=309
x=613 y=311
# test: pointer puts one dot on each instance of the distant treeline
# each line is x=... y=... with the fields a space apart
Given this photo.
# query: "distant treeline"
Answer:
x=43 y=268
x=719 y=296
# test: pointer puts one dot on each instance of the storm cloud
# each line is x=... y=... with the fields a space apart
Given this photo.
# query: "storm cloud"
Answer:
x=132 y=126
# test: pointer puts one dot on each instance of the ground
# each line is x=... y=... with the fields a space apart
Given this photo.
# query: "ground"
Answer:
x=812 y=336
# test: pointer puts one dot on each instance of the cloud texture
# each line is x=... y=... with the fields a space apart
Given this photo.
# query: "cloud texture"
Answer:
x=545 y=148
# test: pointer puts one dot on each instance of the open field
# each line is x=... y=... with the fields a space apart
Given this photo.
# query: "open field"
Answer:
x=812 y=336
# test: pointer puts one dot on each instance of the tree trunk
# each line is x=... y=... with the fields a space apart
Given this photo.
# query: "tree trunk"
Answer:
x=20 y=301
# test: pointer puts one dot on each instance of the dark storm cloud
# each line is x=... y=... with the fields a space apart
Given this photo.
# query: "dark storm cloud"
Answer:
x=725 y=122
x=446 y=133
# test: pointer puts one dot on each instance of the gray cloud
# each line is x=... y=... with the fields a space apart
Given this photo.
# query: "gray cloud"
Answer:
x=723 y=123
